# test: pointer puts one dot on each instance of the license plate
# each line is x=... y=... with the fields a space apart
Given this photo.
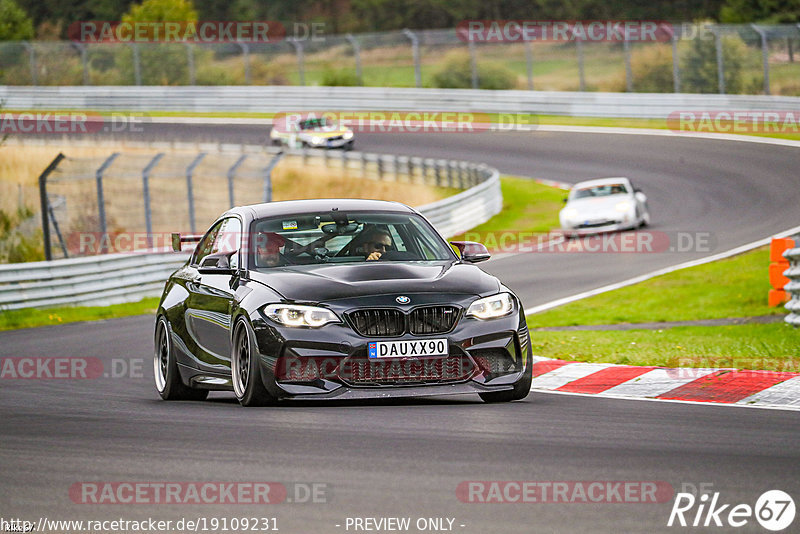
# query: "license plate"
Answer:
x=408 y=349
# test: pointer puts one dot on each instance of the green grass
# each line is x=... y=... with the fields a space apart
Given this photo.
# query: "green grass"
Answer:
x=527 y=207
x=772 y=347
x=734 y=287
x=29 y=318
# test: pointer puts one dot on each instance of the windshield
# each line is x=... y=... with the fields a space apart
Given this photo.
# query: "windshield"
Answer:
x=599 y=191
x=336 y=237
x=316 y=124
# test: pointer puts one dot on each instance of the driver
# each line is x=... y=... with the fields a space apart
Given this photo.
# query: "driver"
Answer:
x=268 y=246
x=376 y=242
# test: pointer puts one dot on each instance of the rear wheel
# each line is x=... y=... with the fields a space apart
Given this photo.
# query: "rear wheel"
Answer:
x=520 y=391
x=165 y=368
x=245 y=373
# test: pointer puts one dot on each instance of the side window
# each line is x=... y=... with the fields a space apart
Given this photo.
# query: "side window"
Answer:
x=223 y=237
x=205 y=245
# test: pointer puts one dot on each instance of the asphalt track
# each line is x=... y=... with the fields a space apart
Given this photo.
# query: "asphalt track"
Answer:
x=407 y=458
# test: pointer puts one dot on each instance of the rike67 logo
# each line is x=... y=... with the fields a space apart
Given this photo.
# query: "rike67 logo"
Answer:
x=774 y=510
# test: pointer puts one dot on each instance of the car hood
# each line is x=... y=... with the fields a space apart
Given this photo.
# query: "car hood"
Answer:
x=324 y=133
x=588 y=206
x=320 y=283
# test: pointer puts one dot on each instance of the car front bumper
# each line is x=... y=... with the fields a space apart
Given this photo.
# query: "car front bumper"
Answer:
x=332 y=362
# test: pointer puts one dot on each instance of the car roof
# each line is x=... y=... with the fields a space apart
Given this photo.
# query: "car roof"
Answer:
x=602 y=181
x=291 y=207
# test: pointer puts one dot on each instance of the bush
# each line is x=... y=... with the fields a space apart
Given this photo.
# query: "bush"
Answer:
x=17 y=243
x=339 y=77
x=652 y=70
x=456 y=73
x=699 y=67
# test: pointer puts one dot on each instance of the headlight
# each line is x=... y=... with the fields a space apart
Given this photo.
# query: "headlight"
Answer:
x=623 y=206
x=299 y=316
x=348 y=135
x=498 y=305
x=316 y=140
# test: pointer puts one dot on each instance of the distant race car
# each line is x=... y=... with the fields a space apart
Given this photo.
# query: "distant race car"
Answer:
x=604 y=205
x=337 y=299
x=312 y=132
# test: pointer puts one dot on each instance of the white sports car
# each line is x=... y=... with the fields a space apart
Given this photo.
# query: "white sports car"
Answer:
x=313 y=132
x=604 y=205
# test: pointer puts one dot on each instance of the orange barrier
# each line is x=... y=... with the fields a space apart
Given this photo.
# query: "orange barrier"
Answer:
x=777 y=296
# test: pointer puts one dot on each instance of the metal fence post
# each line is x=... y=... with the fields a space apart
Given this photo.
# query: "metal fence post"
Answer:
x=32 y=60
x=473 y=63
x=676 y=69
x=298 y=50
x=137 y=67
x=529 y=62
x=246 y=57
x=190 y=61
x=146 y=194
x=268 y=177
x=189 y=189
x=81 y=48
x=101 y=202
x=357 y=53
x=626 y=45
x=231 y=174
x=415 y=53
x=45 y=204
x=720 y=61
x=764 y=56
x=579 y=50
x=363 y=165
x=137 y=64
x=396 y=164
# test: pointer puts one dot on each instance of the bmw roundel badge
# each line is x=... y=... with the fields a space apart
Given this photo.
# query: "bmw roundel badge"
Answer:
x=402 y=299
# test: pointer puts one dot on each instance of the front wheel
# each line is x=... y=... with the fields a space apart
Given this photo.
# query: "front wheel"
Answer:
x=245 y=374
x=520 y=391
x=165 y=368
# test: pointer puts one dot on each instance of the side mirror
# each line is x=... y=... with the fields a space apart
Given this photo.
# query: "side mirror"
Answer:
x=471 y=252
x=565 y=200
x=216 y=264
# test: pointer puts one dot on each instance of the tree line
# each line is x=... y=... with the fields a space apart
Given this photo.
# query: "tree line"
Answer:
x=49 y=19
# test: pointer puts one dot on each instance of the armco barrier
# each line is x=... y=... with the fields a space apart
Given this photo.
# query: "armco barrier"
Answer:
x=110 y=279
x=793 y=287
x=94 y=280
x=273 y=99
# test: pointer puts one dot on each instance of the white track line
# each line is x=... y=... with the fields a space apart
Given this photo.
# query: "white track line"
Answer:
x=659 y=272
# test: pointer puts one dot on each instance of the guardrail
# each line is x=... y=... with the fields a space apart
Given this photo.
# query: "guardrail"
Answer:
x=114 y=278
x=793 y=287
x=274 y=99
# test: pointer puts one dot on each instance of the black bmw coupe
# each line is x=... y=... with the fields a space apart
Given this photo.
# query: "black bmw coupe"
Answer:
x=336 y=299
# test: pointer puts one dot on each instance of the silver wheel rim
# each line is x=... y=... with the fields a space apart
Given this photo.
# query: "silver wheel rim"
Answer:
x=161 y=357
x=240 y=364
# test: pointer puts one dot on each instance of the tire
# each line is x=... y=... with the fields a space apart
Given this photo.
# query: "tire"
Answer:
x=245 y=372
x=520 y=391
x=165 y=368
